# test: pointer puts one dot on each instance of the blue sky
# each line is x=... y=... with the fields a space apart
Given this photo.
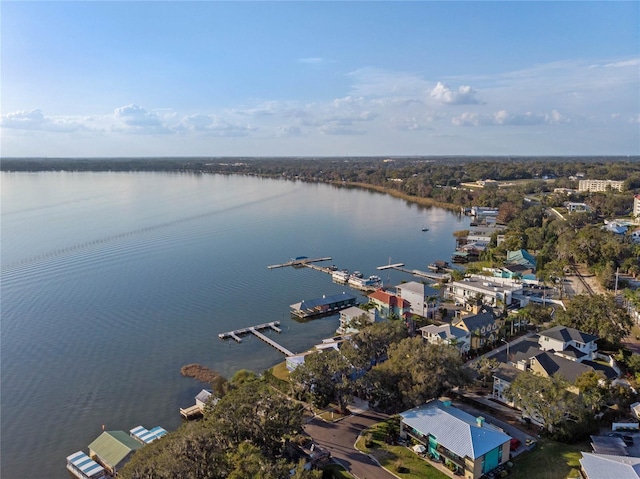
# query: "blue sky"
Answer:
x=319 y=78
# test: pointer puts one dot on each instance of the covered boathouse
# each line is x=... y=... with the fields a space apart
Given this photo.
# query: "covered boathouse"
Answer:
x=322 y=306
x=83 y=467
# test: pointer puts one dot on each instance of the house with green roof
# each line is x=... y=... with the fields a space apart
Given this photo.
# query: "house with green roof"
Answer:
x=521 y=257
x=465 y=443
x=112 y=449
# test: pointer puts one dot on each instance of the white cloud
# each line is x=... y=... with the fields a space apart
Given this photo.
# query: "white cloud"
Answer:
x=36 y=120
x=465 y=95
x=288 y=131
x=311 y=60
x=214 y=125
x=340 y=129
x=374 y=82
x=505 y=118
x=408 y=124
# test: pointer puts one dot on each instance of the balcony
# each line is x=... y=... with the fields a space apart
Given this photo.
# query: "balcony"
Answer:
x=457 y=460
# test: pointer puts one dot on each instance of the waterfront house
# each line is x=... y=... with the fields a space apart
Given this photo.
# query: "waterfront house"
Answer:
x=467 y=444
x=389 y=304
x=353 y=317
x=197 y=410
x=113 y=449
x=423 y=300
x=447 y=334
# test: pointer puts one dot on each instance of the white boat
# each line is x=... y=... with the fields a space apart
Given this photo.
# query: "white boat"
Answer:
x=372 y=282
x=340 y=276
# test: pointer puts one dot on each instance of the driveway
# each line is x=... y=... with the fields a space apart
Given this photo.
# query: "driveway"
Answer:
x=506 y=427
x=339 y=438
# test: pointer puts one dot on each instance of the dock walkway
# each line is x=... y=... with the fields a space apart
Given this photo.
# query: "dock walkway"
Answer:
x=255 y=330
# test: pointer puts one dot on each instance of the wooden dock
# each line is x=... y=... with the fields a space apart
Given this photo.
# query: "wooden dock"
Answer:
x=417 y=272
x=390 y=266
x=272 y=343
x=299 y=262
x=255 y=330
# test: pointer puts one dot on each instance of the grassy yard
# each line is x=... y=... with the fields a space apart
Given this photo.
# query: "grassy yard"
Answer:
x=392 y=456
x=549 y=460
x=280 y=371
x=335 y=471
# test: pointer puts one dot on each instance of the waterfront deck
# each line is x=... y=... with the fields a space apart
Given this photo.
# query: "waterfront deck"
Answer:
x=255 y=330
x=191 y=412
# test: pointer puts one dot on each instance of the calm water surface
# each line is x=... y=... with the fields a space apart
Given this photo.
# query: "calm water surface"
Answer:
x=111 y=282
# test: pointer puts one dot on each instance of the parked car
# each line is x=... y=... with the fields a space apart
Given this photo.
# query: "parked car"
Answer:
x=515 y=444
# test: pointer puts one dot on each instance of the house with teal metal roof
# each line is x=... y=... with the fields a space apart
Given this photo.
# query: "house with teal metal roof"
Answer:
x=521 y=257
x=463 y=442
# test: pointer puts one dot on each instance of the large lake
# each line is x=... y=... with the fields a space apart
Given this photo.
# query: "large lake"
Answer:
x=111 y=282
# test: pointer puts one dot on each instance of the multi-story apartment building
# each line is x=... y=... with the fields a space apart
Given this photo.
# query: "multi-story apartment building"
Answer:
x=599 y=185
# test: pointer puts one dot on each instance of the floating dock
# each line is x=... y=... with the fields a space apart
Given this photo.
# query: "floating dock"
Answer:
x=255 y=330
x=299 y=262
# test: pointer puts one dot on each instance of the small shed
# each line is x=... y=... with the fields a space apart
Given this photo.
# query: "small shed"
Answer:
x=202 y=398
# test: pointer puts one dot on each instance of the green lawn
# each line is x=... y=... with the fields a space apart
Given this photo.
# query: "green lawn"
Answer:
x=549 y=460
x=335 y=471
x=280 y=371
x=392 y=456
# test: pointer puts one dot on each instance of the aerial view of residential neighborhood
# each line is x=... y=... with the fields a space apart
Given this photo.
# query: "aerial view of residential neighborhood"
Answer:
x=521 y=347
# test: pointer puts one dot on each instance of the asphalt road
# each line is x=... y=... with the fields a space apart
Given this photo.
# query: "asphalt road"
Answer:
x=340 y=437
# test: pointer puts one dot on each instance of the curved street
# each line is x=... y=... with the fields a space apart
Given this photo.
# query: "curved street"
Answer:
x=339 y=437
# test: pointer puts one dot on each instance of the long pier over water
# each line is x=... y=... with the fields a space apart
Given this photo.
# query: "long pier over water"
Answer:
x=255 y=330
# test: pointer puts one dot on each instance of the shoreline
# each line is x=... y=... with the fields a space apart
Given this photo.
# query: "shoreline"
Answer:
x=418 y=200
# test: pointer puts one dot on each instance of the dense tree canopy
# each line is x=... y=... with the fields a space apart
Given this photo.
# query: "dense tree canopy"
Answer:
x=242 y=436
x=597 y=314
x=414 y=373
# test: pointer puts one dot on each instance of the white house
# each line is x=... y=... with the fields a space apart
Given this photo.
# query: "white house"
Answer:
x=447 y=334
x=354 y=316
x=423 y=300
x=569 y=343
x=487 y=290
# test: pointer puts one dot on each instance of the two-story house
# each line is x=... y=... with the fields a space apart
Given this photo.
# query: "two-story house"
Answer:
x=465 y=443
x=482 y=327
x=447 y=334
x=568 y=342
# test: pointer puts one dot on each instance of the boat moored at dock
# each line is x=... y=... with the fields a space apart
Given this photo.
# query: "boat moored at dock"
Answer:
x=366 y=284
